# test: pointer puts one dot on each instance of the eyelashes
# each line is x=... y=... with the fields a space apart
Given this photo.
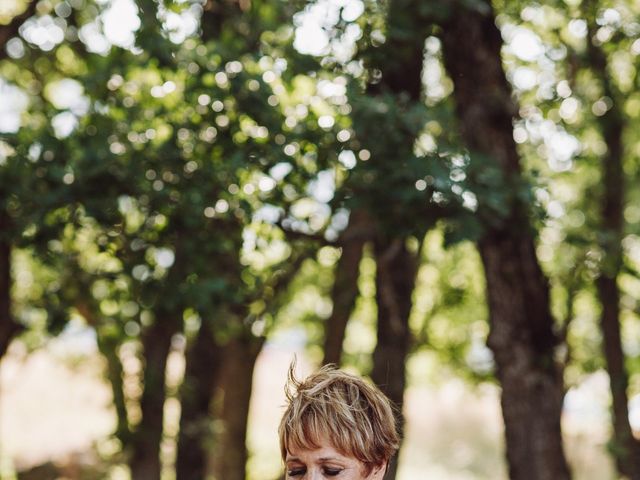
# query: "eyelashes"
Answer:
x=332 y=472
x=329 y=472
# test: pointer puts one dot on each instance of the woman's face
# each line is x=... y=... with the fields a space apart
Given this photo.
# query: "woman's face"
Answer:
x=326 y=462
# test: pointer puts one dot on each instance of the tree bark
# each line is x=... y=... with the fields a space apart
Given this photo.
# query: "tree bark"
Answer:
x=8 y=326
x=532 y=387
x=156 y=342
x=345 y=286
x=203 y=363
x=395 y=281
x=230 y=455
x=624 y=447
x=522 y=334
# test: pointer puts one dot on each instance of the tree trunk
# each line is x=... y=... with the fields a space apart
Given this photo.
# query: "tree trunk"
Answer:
x=522 y=334
x=345 y=285
x=203 y=363
x=532 y=388
x=156 y=343
x=400 y=62
x=624 y=447
x=8 y=327
x=395 y=281
x=230 y=455
x=108 y=347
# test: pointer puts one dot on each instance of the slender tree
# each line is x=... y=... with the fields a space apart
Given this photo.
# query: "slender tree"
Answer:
x=624 y=447
x=395 y=281
x=388 y=122
x=8 y=325
x=345 y=286
x=236 y=383
x=203 y=362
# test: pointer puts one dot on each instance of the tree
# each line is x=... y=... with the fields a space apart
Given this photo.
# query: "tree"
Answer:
x=345 y=285
x=9 y=326
x=625 y=448
x=173 y=208
x=388 y=119
x=522 y=335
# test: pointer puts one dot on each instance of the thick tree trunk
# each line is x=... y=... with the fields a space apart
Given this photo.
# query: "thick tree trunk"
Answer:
x=8 y=327
x=521 y=340
x=156 y=343
x=624 y=447
x=203 y=363
x=395 y=281
x=522 y=334
x=236 y=382
x=345 y=286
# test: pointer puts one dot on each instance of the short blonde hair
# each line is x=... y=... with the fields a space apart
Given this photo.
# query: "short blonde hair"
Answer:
x=356 y=417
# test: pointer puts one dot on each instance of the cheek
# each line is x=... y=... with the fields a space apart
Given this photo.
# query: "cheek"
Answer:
x=355 y=474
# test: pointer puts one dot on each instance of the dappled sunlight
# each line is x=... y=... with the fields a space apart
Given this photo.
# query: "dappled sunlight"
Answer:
x=14 y=103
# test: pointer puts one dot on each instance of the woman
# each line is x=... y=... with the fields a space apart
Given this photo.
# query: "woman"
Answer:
x=336 y=426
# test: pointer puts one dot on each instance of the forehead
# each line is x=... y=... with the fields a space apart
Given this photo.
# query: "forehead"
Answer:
x=324 y=452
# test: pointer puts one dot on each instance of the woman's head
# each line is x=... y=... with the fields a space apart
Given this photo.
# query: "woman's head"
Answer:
x=338 y=411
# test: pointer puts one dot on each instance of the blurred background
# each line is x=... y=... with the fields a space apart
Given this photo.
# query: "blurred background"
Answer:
x=439 y=195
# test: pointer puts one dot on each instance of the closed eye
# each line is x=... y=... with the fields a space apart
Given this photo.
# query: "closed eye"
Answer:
x=296 y=472
x=332 y=472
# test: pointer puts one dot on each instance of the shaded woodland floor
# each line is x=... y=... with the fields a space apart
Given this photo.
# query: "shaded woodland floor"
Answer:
x=55 y=417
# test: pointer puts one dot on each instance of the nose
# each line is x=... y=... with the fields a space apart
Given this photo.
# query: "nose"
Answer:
x=314 y=474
